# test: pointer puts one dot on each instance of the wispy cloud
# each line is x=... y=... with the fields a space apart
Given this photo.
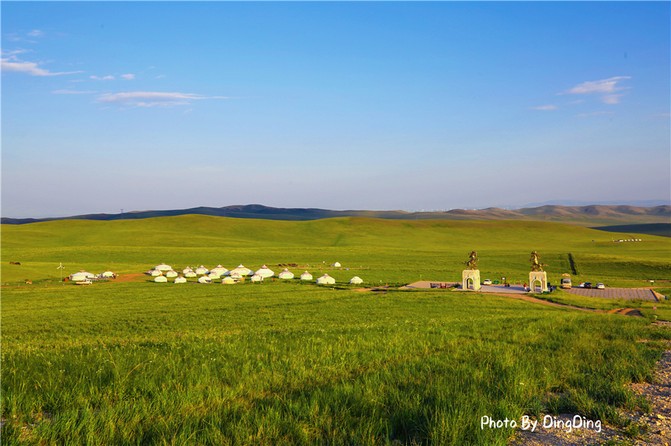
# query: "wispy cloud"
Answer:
x=109 y=77
x=65 y=91
x=12 y=64
x=25 y=37
x=11 y=54
x=152 y=98
x=547 y=107
x=607 y=89
x=596 y=113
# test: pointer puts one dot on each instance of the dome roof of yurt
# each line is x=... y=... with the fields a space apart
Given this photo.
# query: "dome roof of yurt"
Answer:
x=326 y=280
x=286 y=274
x=265 y=272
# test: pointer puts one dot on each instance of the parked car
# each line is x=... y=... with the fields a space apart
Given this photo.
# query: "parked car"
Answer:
x=600 y=286
x=588 y=285
x=566 y=281
x=486 y=282
x=582 y=285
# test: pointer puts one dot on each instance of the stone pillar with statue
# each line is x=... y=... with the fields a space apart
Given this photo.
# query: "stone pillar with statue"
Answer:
x=537 y=275
x=471 y=273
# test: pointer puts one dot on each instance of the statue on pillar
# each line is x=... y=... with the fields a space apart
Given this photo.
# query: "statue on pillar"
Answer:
x=536 y=265
x=472 y=262
x=537 y=275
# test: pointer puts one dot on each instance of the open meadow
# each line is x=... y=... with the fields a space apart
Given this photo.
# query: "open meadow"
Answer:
x=285 y=362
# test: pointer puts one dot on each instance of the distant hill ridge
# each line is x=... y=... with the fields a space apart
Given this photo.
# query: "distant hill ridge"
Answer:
x=586 y=215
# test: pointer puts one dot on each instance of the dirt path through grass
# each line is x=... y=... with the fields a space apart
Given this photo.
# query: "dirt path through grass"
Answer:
x=623 y=311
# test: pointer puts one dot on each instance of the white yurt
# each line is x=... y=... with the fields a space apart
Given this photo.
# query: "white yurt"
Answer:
x=202 y=270
x=219 y=270
x=163 y=267
x=265 y=272
x=214 y=276
x=108 y=275
x=155 y=272
x=356 y=280
x=306 y=276
x=170 y=274
x=190 y=274
x=204 y=279
x=286 y=274
x=228 y=280
x=257 y=278
x=326 y=280
x=188 y=269
x=160 y=279
x=337 y=265
x=81 y=276
x=241 y=270
x=180 y=279
x=235 y=276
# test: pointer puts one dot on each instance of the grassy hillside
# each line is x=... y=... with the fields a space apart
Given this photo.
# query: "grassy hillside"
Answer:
x=377 y=250
x=583 y=215
x=129 y=363
x=294 y=363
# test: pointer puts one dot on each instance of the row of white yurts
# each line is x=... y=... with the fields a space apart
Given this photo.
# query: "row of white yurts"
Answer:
x=163 y=272
x=82 y=276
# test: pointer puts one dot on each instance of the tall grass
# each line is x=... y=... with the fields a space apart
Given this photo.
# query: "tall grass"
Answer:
x=289 y=364
x=293 y=363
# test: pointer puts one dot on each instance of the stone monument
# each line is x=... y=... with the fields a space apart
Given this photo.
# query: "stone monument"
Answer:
x=471 y=273
x=537 y=275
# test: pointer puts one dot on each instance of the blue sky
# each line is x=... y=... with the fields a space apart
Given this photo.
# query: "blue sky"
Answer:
x=387 y=105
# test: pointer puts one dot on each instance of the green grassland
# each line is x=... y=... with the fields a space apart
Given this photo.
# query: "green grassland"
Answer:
x=295 y=363
x=377 y=250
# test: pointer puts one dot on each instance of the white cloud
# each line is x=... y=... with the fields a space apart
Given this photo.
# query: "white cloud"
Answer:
x=152 y=98
x=73 y=92
x=11 y=64
x=11 y=55
x=611 y=99
x=36 y=33
x=128 y=77
x=596 y=113
x=547 y=107
x=606 y=88
x=109 y=77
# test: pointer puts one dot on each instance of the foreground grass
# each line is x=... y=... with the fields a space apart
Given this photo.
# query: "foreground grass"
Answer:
x=279 y=363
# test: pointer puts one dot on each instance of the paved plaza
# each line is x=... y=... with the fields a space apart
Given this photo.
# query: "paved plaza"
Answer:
x=616 y=293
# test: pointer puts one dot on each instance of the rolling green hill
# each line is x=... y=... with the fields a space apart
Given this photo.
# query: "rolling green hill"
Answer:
x=582 y=215
x=299 y=364
x=378 y=250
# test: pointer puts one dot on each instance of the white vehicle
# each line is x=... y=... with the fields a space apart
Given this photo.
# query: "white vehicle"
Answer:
x=566 y=281
x=486 y=282
x=600 y=286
